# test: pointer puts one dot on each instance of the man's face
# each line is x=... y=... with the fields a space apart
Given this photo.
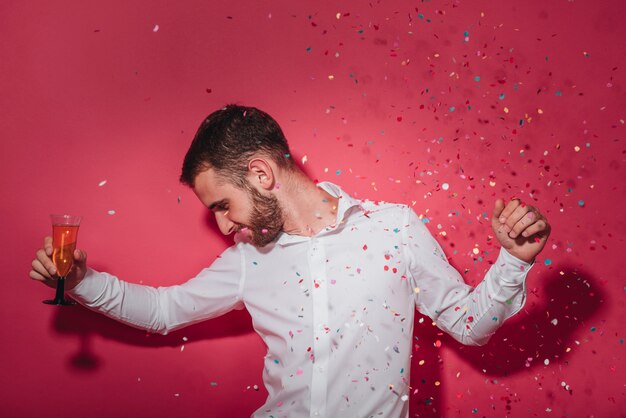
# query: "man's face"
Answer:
x=257 y=217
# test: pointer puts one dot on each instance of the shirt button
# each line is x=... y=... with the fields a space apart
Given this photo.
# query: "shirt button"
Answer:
x=321 y=369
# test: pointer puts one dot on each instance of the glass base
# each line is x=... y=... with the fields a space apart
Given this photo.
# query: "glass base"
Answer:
x=63 y=302
x=59 y=297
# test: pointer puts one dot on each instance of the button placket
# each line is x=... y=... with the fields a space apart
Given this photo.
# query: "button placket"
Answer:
x=321 y=338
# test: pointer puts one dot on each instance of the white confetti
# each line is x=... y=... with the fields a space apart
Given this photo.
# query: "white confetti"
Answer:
x=102 y=183
x=445 y=186
x=156 y=28
x=304 y=159
x=111 y=212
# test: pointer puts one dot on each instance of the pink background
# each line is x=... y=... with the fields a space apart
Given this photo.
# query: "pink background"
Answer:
x=392 y=100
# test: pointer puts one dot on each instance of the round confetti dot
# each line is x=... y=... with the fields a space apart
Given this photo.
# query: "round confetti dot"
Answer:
x=445 y=186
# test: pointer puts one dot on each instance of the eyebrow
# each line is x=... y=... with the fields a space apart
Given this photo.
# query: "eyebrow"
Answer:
x=219 y=203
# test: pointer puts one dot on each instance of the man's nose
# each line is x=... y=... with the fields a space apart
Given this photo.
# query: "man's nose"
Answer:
x=226 y=225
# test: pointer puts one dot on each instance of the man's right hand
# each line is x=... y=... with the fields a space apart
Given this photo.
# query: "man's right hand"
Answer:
x=43 y=268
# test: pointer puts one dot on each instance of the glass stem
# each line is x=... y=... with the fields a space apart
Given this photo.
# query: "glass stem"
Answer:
x=59 y=296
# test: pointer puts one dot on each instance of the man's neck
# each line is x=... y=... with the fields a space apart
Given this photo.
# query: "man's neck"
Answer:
x=307 y=208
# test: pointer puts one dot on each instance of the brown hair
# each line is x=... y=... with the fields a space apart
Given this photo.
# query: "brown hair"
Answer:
x=228 y=138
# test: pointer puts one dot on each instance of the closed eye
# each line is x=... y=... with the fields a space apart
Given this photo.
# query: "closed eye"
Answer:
x=220 y=205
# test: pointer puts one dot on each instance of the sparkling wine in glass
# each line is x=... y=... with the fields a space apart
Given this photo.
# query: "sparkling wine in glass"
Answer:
x=64 y=236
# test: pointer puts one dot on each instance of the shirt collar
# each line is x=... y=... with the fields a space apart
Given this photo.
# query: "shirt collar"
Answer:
x=344 y=206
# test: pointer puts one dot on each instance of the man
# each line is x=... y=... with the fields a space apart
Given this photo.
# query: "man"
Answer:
x=331 y=282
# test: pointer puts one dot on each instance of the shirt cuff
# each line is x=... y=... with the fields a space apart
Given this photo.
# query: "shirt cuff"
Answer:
x=510 y=268
x=90 y=288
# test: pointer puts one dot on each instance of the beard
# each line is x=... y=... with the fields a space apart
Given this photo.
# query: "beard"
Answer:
x=266 y=219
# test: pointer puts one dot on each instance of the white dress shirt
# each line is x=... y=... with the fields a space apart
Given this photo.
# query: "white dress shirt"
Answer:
x=335 y=310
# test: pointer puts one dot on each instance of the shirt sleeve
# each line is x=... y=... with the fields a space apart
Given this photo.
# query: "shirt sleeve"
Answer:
x=470 y=315
x=213 y=292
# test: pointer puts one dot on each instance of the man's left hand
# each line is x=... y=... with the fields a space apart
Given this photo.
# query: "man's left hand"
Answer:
x=521 y=229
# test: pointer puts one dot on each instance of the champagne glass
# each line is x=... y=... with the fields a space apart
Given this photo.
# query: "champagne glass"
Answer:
x=64 y=236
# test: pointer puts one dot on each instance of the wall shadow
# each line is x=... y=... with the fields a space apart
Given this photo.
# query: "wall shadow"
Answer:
x=426 y=370
x=85 y=324
x=556 y=313
x=523 y=342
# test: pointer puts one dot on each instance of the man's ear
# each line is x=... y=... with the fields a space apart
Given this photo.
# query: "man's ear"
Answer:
x=261 y=174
